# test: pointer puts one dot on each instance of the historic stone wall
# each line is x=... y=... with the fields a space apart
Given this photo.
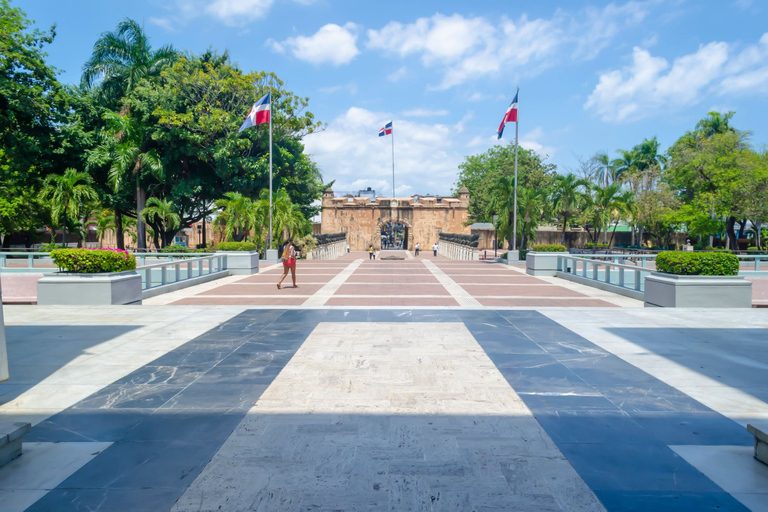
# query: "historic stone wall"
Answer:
x=423 y=217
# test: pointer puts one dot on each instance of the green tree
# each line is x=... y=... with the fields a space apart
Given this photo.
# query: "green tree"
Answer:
x=566 y=198
x=33 y=106
x=69 y=194
x=600 y=205
x=236 y=216
x=161 y=215
x=480 y=174
x=122 y=58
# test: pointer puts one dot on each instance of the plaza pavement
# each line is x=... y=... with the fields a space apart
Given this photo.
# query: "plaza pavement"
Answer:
x=582 y=402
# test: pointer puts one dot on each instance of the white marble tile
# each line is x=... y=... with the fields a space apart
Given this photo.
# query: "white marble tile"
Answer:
x=42 y=467
x=733 y=468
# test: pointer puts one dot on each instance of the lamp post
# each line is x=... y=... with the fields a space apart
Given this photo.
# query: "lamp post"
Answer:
x=495 y=235
x=199 y=232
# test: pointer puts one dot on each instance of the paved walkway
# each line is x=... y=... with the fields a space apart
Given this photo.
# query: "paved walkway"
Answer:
x=409 y=384
x=426 y=281
x=191 y=408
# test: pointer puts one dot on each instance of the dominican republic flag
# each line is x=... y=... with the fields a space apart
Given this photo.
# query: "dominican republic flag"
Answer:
x=259 y=113
x=510 y=116
x=387 y=130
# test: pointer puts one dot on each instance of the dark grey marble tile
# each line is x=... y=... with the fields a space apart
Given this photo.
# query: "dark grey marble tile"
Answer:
x=593 y=427
x=510 y=345
x=107 y=500
x=216 y=397
x=693 y=428
x=543 y=401
x=551 y=377
x=390 y=315
x=660 y=501
x=128 y=396
x=186 y=357
x=262 y=374
x=635 y=467
x=144 y=465
x=193 y=425
x=168 y=375
x=649 y=398
x=91 y=425
x=256 y=356
x=435 y=315
x=346 y=315
x=521 y=360
x=301 y=316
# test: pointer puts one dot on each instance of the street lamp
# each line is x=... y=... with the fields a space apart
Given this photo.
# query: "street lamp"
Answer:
x=495 y=235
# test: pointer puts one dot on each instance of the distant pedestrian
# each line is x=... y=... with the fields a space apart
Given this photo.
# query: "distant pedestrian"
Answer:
x=434 y=249
x=417 y=250
x=371 y=253
x=289 y=263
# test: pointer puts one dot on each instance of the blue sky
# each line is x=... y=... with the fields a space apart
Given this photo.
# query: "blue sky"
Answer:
x=593 y=76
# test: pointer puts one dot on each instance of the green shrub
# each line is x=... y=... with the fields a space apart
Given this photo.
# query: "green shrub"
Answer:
x=697 y=263
x=503 y=256
x=549 y=248
x=49 y=247
x=590 y=245
x=176 y=248
x=237 y=246
x=93 y=261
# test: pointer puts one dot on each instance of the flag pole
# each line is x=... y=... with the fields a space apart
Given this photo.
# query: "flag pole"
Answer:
x=514 y=213
x=393 y=161
x=270 y=171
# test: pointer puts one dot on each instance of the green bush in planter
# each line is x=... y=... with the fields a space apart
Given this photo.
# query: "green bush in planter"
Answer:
x=237 y=246
x=549 y=248
x=93 y=261
x=590 y=245
x=697 y=263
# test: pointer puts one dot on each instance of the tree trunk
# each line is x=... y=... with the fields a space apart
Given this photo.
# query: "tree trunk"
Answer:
x=64 y=235
x=204 y=242
x=641 y=232
x=757 y=233
x=562 y=238
x=730 y=224
x=141 y=231
x=119 y=230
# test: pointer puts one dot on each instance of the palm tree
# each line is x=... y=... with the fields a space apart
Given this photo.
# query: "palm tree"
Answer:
x=161 y=214
x=532 y=206
x=236 y=216
x=715 y=123
x=502 y=204
x=105 y=221
x=625 y=208
x=68 y=194
x=120 y=59
x=125 y=148
x=606 y=173
x=598 y=210
x=287 y=217
x=566 y=198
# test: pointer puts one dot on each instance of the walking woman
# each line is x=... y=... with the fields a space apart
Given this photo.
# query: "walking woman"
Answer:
x=289 y=263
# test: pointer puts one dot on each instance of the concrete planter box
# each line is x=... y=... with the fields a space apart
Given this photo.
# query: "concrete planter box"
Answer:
x=513 y=257
x=70 y=289
x=542 y=263
x=3 y=350
x=673 y=291
x=242 y=263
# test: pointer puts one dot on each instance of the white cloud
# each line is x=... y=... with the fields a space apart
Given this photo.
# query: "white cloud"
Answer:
x=424 y=112
x=398 y=75
x=469 y=48
x=426 y=159
x=350 y=88
x=233 y=13
x=331 y=44
x=650 y=84
x=237 y=13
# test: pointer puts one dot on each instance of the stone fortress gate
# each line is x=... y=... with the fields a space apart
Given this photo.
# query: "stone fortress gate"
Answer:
x=400 y=222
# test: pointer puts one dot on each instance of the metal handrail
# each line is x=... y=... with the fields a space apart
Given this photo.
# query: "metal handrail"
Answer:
x=590 y=269
x=217 y=263
x=644 y=258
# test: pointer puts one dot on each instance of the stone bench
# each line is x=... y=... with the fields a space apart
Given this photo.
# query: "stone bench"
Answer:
x=10 y=440
x=761 y=442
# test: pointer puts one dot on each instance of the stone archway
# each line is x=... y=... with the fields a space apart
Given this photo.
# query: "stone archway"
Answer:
x=383 y=222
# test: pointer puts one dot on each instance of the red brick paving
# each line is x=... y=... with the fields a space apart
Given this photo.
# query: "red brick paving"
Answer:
x=404 y=283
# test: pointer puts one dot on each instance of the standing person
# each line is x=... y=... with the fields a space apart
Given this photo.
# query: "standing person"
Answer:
x=434 y=249
x=417 y=249
x=371 y=255
x=289 y=263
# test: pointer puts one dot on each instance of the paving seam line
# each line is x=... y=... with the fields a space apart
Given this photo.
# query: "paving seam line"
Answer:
x=461 y=295
x=321 y=296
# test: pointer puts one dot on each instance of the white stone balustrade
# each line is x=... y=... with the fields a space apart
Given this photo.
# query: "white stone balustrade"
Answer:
x=331 y=251
x=454 y=251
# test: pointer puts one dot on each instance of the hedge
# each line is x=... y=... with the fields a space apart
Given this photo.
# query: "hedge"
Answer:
x=237 y=246
x=590 y=245
x=93 y=261
x=178 y=248
x=549 y=248
x=697 y=263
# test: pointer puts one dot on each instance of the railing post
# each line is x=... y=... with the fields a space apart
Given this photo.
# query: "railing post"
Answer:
x=189 y=269
x=637 y=280
x=595 y=270
x=199 y=267
x=177 y=269
x=163 y=277
x=148 y=278
x=621 y=277
x=30 y=260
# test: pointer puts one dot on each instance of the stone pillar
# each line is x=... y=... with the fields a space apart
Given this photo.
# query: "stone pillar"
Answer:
x=3 y=350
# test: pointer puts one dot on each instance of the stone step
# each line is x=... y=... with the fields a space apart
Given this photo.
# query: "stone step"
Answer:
x=10 y=440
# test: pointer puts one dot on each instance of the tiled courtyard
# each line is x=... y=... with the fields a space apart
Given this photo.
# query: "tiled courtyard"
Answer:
x=360 y=390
